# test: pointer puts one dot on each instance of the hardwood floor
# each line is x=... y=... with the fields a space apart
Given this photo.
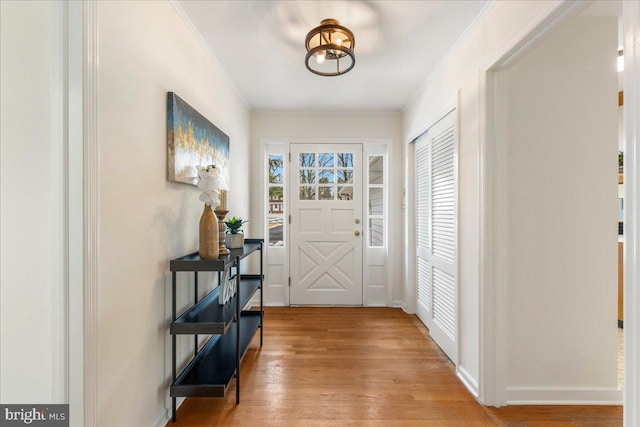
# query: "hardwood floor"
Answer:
x=361 y=367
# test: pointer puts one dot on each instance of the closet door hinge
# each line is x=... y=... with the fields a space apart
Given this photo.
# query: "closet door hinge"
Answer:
x=289 y=157
x=289 y=281
x=289 y=219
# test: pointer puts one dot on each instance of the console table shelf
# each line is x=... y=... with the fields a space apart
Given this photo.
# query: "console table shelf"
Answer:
x=208 y=316
x=211 y=371
x=193 y=262
x=217 y=363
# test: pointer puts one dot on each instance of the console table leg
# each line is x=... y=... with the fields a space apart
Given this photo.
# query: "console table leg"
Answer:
x=238 y=313
x=195 y=301
x=238 y=388
x=173 y=343
x=261 y=296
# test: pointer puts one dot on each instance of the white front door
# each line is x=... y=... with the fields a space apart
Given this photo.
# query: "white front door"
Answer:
x=326 y=224
x=436 y=226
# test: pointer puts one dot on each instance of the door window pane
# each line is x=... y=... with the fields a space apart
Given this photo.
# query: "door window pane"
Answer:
x=376 y=172
x=345 y=193
x=325 y=177
x=275 y=230
x=376 y=232
x=376 y=202
x=275 y=199
x=325 y=160
x=307 y=176
x=345 y=176
x=307 y=160
x=325 y=193
x=307 y=193
x=345 y=160
x=276 y=169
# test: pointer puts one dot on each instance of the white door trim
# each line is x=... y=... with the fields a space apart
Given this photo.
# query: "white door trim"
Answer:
x=631 y=393
x=75 y=207
x=492 y=192
x=492 y=170
x=410 y=282
x=58 y=206
x=91 y=212
x=369 y=145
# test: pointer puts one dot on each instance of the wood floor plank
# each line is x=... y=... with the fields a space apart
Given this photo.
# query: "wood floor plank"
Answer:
x=326 y=366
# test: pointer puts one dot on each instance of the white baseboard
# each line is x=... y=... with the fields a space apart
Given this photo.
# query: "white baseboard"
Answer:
x=563 y=396
x=166 y=416
x=468 y=380
x=399 y=304
x=164 y=419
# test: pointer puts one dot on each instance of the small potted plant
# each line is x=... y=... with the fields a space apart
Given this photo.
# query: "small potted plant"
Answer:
x=235 y=237
x=620 y=162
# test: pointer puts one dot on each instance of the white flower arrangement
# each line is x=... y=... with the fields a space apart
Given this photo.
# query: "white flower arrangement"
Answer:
x=210 y=183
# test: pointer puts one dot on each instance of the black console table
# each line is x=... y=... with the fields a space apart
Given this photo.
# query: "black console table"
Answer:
x=213 y=367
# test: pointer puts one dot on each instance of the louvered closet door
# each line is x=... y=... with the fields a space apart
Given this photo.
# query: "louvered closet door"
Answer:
x=436 y=219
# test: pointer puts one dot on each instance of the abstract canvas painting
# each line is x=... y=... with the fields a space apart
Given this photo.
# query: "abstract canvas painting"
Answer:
x=192 y=141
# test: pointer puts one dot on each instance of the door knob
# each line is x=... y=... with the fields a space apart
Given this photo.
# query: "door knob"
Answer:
x=357 y=221
x=357 y=233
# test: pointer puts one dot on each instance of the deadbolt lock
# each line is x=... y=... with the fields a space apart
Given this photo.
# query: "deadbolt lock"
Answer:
x=357 y=233
x=357 y=221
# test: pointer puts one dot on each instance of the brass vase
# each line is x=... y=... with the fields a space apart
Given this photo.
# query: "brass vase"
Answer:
x=221 y=213
x=208 y=234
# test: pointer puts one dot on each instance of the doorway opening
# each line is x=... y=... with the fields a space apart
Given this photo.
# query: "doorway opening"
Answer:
x=553 y=197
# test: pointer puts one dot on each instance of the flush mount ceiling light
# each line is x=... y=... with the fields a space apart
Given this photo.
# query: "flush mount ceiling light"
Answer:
x=331 y=47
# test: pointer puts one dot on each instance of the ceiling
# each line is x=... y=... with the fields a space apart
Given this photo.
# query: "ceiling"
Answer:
x=260 y=44
x=603 y=8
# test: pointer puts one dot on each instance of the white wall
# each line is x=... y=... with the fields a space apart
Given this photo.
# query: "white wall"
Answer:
x=562 y=143
x=288 y=126
x=32 y=277
x=146 y=50
x=502 y=27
